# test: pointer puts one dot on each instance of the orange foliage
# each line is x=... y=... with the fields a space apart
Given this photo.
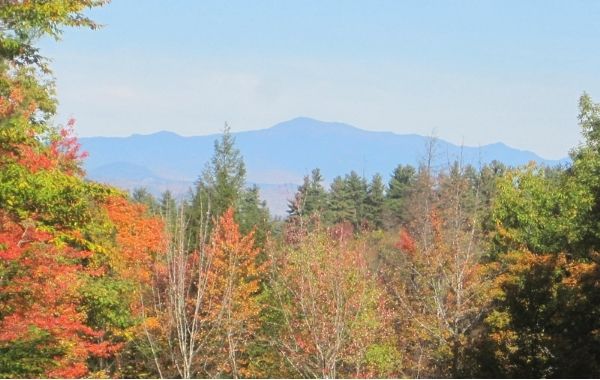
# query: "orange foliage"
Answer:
x=406 y=242
x=14 y=103
x=41 y=300
x=233 y=280
x=139 y=236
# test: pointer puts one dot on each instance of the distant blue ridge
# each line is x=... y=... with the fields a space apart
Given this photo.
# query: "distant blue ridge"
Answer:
x=282 y=154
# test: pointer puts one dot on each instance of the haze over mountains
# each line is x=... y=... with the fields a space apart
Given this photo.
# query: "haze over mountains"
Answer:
x=276 y=158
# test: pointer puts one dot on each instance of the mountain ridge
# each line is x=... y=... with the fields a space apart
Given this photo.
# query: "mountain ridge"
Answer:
x=280 y=155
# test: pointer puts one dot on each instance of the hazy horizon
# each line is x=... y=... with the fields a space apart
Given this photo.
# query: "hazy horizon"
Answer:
x=219 y=133
x=471 y=72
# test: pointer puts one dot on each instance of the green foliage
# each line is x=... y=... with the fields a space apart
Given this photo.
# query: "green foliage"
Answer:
x=107 y=302
x=589 y=120
x=223 y=179
x=311 y=197
x=28 y=358
x=543 y=321
x=24 y=22
x=56 y=199
x=348 y=200
x=384 y=358
x=397 y=193
x=168 y=209
x=529 y=211
x=495 y=272
x=253 y=215
x=375 y=201
x=222 y=186
x=142 y=196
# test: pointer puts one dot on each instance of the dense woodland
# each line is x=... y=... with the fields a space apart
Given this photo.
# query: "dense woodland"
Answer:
x=442 y=271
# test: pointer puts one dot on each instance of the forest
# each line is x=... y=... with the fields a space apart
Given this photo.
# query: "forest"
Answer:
x=444 y=271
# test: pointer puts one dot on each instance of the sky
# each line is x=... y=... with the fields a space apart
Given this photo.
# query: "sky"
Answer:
x=470 y=72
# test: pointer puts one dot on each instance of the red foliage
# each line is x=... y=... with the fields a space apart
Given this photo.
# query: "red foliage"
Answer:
x=41 y=297
x=34 y=160
x=406 y=242
x=66 y=150
x=63 y=152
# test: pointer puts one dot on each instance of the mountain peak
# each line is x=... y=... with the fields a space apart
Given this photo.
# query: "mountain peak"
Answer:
x=159 y=134
x=306 y=124
x=165 y=134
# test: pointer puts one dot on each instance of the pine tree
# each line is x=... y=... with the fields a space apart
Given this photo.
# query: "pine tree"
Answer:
x=219 y=187
x=311 y=196
x=398 y=190
x=348 y=200
x=339 y=207
x=357 y=193
x=221 y=183
x=141 y=195
x=253 y=215
x=375 y=201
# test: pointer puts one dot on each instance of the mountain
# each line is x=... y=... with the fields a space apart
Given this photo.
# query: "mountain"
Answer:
x=279 y=156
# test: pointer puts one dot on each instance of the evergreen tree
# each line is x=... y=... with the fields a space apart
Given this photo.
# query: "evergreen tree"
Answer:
x=339 y=207
x=348 y=200
x=168 y=209
x=221 y=186
x=375 y=201
x=143 y=196
x=253 y=214
x=402 y=180
x=311 y=196
x=221 y=183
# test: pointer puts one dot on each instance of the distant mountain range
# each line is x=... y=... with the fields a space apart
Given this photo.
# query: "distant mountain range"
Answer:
x=276 y=158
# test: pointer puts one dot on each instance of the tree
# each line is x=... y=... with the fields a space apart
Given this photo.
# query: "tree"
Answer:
x=330 y=314
x=375 y=202
x=253 y=216
x=543 y=322
x=67 y=308
x=204 y=309
x=528 y=212
x=234 y=285
x=311 y=196
x=142 y=195
x=545 y=242
x=221 y=186
x=437 y=280
x=168 y=208
x=348 y=200
x=43 y=328
x=24 y=22
x=223 y=178
x=397 y=194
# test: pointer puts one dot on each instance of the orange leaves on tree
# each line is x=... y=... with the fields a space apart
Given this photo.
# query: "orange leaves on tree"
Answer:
x=205 y=307
x=138 y=237
x=41 y=300
x=13 y=103
x=233 y=280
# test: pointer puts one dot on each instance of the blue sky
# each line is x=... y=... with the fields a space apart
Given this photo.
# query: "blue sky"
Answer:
x=472 y=72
